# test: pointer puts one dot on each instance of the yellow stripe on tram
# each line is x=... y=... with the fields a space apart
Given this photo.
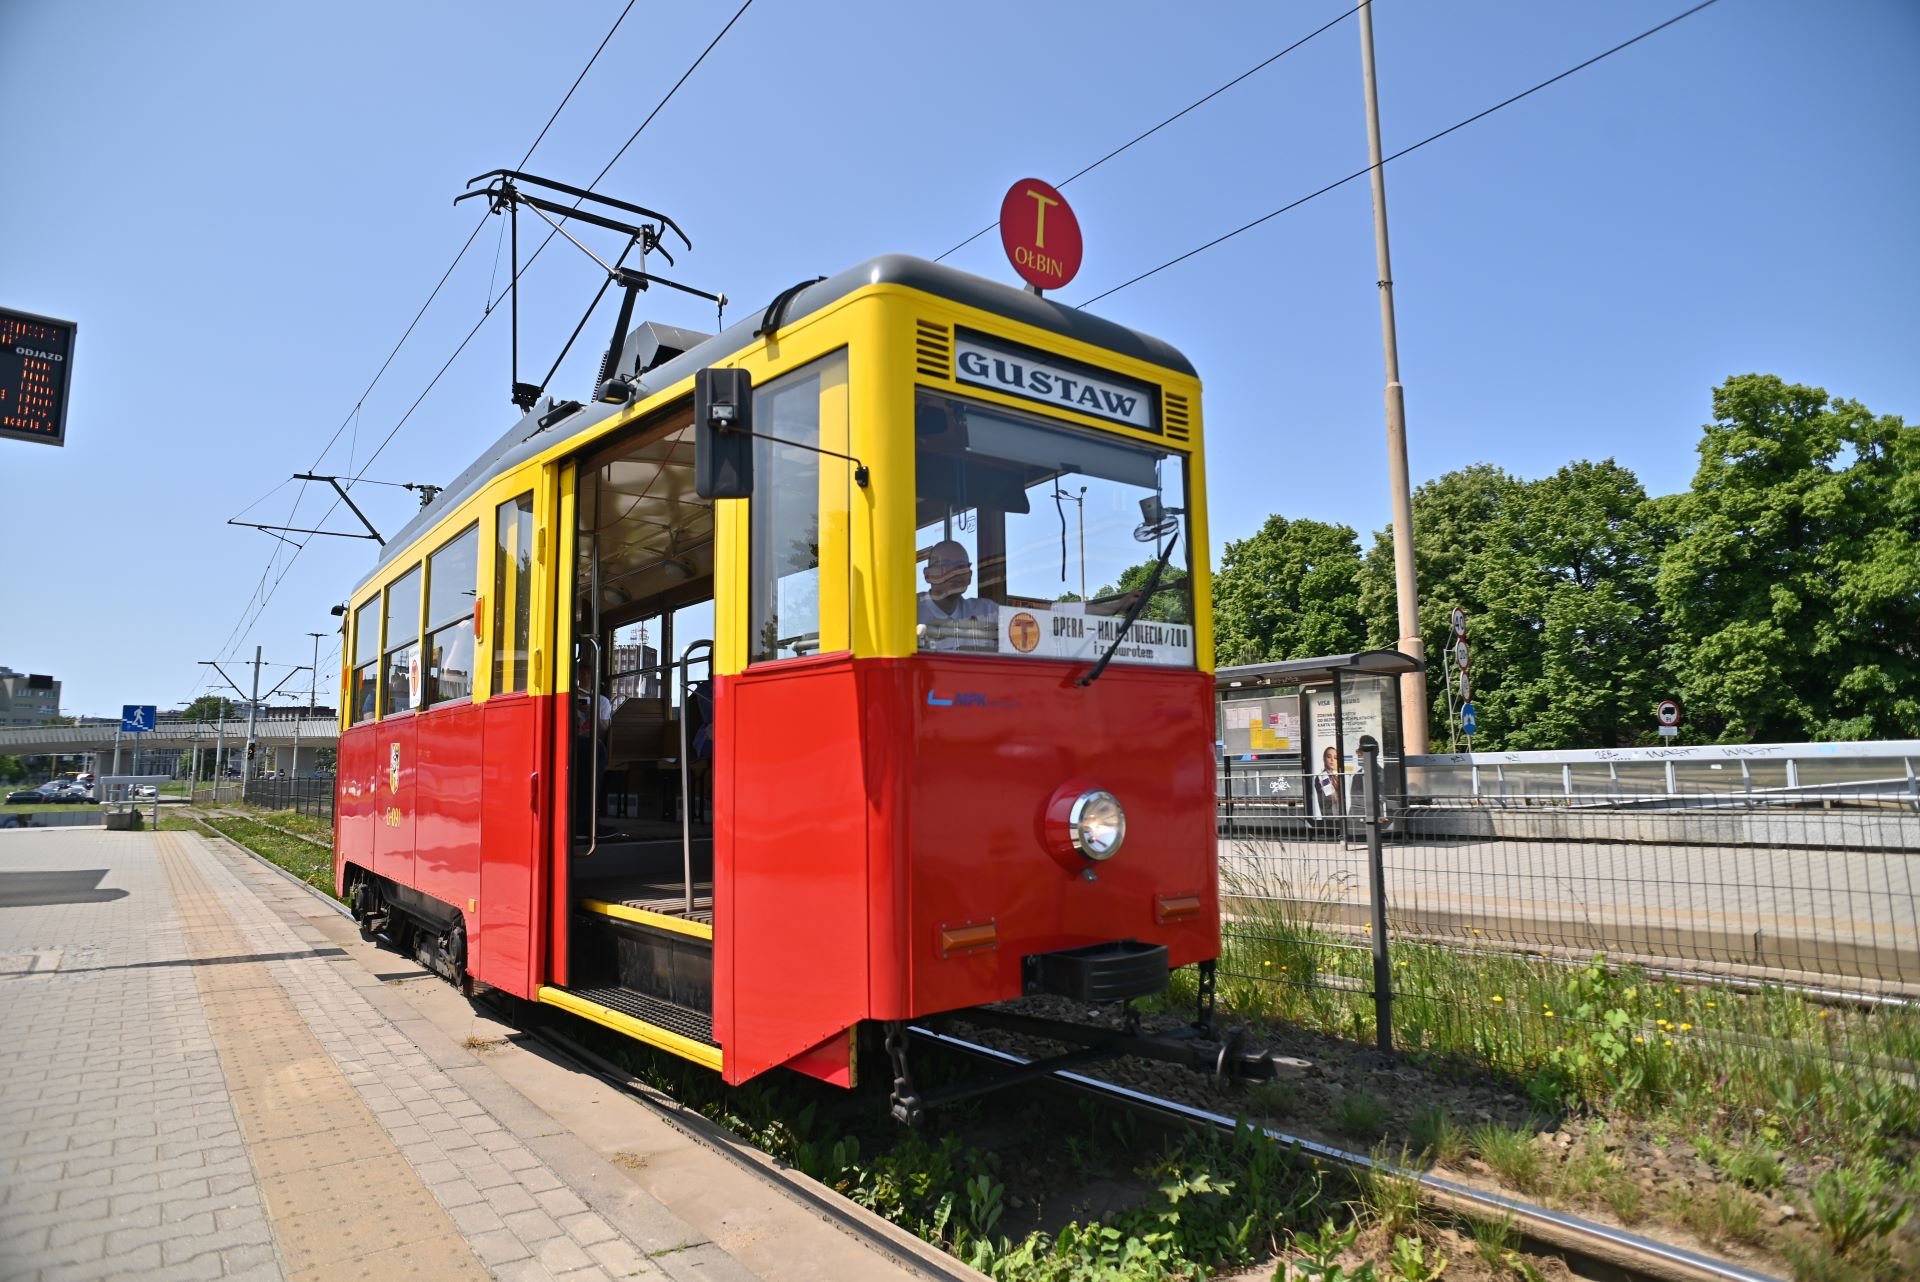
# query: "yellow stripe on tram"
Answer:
x=639 y=1030
x=640 y=916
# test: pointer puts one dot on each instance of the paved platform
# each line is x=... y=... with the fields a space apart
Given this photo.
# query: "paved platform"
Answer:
x=205 y=1073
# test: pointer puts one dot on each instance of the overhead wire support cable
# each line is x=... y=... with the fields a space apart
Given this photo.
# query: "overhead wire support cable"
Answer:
x=1198 y=102
x=354 y=414
x=1408 y=150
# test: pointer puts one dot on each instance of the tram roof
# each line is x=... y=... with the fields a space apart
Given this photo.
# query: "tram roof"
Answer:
x=526 y=439
x=1373 y=663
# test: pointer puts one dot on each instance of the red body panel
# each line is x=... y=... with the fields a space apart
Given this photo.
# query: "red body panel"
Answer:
x=985 y=766
x=862 y=808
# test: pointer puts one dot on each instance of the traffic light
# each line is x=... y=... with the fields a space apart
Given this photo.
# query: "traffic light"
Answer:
x=251 y=749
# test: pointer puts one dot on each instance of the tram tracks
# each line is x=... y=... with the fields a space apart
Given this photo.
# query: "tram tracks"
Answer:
x=1616 y=1252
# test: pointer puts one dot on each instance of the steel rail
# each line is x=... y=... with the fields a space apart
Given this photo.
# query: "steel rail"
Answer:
x=1556 y=1228
x=898 y=1245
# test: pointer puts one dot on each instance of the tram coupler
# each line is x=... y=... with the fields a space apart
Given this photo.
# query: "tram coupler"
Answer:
x=1229 y=1057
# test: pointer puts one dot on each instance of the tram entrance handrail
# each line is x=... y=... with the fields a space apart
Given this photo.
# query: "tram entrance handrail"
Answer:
x=685 y=665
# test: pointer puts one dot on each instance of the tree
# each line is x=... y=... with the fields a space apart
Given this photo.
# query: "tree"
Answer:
x=1291 y=590
x=12 y=770
x=1792 y=587
x=210 y=707
x=1557 y=579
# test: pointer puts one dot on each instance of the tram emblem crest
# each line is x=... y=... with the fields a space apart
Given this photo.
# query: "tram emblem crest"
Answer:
x=393 y=767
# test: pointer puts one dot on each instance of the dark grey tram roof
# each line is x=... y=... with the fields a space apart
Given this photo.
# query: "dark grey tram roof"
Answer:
x=1376 y=663
x=525 y=439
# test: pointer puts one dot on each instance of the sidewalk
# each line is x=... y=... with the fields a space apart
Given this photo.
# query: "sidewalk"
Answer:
x=204 y=1073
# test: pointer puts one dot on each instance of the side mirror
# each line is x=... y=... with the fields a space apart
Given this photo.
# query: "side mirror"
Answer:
x=723 y=434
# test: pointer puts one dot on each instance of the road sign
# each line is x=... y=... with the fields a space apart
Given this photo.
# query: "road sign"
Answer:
x=36 y=366
x=1460 y=653
x=1459 y=622
x=136 y=718
x=1040 y=234
x=1466 y=691
x=1469 y=720
x=1668 y=713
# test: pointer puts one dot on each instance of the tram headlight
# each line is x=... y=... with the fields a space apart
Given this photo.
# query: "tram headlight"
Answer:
x=1097 y=825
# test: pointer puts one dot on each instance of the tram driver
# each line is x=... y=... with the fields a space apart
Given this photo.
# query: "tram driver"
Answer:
x=948 y=619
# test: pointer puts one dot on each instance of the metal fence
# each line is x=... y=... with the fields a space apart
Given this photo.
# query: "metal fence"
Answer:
x=1573 y=920
x=307 y=796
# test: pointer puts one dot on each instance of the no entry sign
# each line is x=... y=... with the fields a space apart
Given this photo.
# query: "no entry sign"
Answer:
x=1040 y=234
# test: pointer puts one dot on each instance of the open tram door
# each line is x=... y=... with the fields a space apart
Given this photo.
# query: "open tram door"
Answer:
x=631 y=890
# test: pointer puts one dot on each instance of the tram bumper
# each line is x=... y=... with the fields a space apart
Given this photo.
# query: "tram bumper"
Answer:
x=1111 y=972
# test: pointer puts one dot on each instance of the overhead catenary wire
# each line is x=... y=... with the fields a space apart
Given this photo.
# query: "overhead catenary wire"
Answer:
x=263 y=599
x=237 y=637
x=1404 y=151
x=1198 y=102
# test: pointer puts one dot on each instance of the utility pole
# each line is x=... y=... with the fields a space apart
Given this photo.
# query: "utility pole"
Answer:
x=1413 y=690
x=253 y=711
x=253 y=706
x=313 y=678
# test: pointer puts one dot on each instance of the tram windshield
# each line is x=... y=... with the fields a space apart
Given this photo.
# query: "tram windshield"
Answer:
x=1035 y=540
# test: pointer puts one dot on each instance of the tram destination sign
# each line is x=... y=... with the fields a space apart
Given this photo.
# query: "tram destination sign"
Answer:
x=36 y=368
x=1053 y=380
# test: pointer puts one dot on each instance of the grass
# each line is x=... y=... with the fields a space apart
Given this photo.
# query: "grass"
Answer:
x=1512 y=1155
x=1360 y=1114
x=1435 y=1134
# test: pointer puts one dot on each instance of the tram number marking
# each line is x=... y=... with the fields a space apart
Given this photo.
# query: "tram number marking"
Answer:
x=392 y=817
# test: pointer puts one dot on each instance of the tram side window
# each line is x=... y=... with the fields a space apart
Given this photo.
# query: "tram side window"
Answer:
x=366 y=660
x=785 y=606
x=402 y=652
x=512 y=593
x=452 y=575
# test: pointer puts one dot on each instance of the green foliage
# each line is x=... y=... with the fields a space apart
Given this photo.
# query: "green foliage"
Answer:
x=1322 y=1252
x=1359 y=1114
x=1291 y=590
x=1557 y=579
x=12 y=770
x=1512 y=1154
x=1792 y=589
x=1411 y=1261
x=1854 y=1205
x=211 y=708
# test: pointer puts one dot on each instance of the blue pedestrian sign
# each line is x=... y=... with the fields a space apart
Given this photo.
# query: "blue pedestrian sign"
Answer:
x=136 y=718
x=1469 y=722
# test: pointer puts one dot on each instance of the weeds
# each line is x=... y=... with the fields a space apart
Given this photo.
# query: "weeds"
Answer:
x=1411 y=1261
x=1512 y=1155
x=1434 y=1133
x=1390 y=1193
x=1853 y=1206
x=1360 y=1114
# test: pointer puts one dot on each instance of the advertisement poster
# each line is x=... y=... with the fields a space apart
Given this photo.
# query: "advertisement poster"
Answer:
x=1335 y=772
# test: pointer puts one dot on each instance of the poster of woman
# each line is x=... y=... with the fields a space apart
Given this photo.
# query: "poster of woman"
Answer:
x=1329 y=786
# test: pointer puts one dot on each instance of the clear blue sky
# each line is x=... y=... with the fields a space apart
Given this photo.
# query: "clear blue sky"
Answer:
x=244 y=204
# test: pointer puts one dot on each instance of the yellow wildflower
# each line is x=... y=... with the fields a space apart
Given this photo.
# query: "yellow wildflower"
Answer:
x=1639 y=1040
x=1686 y=1028
x=1826 y=1014
x=1498 y=998
x=1547 y=1013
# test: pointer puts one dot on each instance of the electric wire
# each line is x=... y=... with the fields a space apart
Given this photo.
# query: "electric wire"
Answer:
x=1430 y=138
x=485 y=315
x=353 y=415
x=1198 y=102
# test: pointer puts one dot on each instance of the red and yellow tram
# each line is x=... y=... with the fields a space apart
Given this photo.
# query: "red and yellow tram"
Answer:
x=852 y=666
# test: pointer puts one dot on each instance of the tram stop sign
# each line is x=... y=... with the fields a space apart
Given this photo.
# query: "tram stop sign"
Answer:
x=1040 y=234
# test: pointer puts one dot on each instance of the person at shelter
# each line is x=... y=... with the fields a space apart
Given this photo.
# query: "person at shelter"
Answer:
x=949 y=619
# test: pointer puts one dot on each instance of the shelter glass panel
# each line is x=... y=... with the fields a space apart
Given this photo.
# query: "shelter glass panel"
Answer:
x=512 y=593
x=402 y=652
x=452 y=578
x=1065 y=530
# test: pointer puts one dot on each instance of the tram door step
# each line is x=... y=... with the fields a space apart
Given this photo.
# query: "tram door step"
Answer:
x=662 y=970
x=696 y=1025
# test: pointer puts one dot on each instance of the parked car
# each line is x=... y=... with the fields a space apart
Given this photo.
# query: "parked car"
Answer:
x=25 y=797
x=146 y=790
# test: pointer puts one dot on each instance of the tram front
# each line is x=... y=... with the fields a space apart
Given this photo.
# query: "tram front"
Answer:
x=1023 y=714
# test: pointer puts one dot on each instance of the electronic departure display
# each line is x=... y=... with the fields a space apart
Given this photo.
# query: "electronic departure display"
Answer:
x=36 y=364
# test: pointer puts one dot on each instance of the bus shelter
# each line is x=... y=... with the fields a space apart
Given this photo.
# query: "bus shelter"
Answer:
x=1289 y=737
